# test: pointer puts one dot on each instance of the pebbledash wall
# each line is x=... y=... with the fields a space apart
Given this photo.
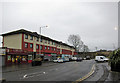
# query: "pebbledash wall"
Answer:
x=35 y=45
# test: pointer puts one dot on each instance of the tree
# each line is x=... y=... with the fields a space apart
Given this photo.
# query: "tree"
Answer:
x=78 y=44
x=74 y=40
x=86 y=49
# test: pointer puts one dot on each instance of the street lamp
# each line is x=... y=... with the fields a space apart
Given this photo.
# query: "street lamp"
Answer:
x=40 y=36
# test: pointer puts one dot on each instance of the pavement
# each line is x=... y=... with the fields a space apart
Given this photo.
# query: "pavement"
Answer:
x=26 y=66
x=113 y=77
x=103 y=74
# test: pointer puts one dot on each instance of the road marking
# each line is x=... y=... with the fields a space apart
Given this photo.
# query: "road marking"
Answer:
x=2 y=79
x=86 y=76
x=25 y=76
x=43 y=72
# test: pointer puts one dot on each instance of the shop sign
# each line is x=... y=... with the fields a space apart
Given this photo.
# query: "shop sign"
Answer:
x=47 y=54
x=29 y=55
x=2 y=51
x=53 y=54
x=40 y=54
x=16 y=51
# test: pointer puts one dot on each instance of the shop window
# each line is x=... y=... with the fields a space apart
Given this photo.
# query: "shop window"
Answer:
x=37 y=46
x=26 y=36
x=9 y=57
x=26 y=45
x=29 y=57
x=31 y=37
x=31 y=45
x=41 y=47
x=24 y=58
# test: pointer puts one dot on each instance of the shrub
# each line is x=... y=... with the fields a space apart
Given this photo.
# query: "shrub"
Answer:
x=115 y=57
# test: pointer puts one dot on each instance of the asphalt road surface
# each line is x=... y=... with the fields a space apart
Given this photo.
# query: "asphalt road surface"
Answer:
x=68 y=71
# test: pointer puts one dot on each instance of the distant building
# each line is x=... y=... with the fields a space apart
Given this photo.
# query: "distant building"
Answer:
x=30 y=45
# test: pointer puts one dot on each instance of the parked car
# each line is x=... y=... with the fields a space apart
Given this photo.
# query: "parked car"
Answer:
x=101 y=59
x=87 y=57
x=37 y=62
x=59 y=60
x=84 y=58
x=79 y=59
x=65 y=59
x=46 y=59
x=74 y=58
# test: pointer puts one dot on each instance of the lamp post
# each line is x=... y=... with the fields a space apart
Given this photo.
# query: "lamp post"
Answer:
x=41 y=38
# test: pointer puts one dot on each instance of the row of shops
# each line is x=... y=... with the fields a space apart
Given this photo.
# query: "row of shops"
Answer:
x=15 y=56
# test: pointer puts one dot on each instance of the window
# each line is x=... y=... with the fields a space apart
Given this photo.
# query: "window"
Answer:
x=45 y=41
x=45 y=47
x=41 y=47
x=31 y=45
x=31 y=37
x=58 y=50
x=26 y=45
x=52 y=43
x=37 y=46
x=48 y=48
x=37 y=39
x=41 y=40
x=26 y=36
x=54 y=49
x=48 y=41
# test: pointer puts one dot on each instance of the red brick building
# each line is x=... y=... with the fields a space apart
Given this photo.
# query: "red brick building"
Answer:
x=29 y=45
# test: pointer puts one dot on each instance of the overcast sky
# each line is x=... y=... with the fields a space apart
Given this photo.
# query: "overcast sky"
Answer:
x=93 y=21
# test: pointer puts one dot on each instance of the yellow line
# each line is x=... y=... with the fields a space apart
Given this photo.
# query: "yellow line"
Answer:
x=86 y=76
x=2 y=79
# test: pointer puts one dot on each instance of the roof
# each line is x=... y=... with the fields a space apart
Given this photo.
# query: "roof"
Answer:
x=34 y=34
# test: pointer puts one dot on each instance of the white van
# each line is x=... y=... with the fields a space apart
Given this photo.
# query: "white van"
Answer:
x=101 y=59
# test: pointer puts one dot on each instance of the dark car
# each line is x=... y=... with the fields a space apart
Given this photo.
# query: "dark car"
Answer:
x=79 y=59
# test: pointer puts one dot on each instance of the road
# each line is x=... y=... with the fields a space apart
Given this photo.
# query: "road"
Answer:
x=68 y=71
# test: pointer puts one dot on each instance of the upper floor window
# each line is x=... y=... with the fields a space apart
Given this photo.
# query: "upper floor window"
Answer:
x=45 y=41
x=45 y=47
x=48 y=48
x=26 y=36
x=41 y=47
x=54 y=49
x=37 y=39
x=48 y=41
x=41 y=40
x=31 y=45
x=31 y=37
x=26 y=45
x=58 y=50
x=37 y=46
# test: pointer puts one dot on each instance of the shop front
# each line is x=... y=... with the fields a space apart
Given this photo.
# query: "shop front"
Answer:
x=50 y=56
x=17 y=56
